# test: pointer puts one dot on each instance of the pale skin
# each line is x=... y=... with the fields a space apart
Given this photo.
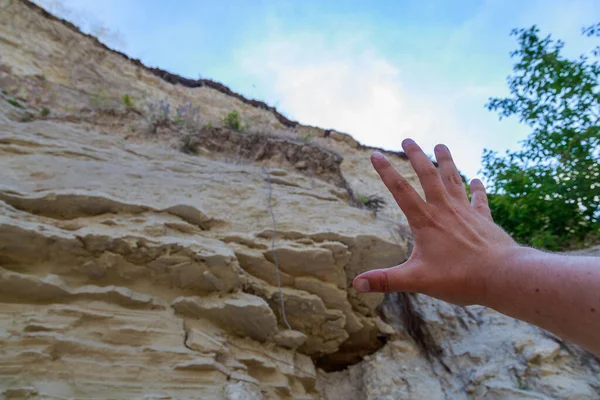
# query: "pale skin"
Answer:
x=463 y=257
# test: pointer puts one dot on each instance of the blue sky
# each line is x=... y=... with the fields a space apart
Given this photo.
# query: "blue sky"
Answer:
x=381 y=70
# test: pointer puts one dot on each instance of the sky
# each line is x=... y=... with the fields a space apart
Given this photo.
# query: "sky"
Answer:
x=381 y=71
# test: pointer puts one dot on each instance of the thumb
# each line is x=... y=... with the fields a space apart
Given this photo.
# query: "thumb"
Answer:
x=400 y=278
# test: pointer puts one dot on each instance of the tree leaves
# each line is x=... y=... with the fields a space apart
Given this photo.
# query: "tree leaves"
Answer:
x=547 y=193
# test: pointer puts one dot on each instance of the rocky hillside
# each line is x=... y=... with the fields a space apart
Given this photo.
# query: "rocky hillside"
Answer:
x=149 y=250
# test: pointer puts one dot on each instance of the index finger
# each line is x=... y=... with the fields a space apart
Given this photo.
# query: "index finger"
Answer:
x=432 y=185
x=406 y=197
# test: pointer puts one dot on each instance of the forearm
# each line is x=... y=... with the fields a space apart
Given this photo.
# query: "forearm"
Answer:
x=556 y=292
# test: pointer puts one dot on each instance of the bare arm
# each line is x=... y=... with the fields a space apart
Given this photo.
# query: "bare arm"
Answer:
x=461 y=256
x=556 y=292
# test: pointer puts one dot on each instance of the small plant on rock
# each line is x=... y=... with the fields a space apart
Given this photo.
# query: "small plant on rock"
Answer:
x=373 y=202
x=232 y=121
x=127 y=100
x=188 y=116
x=159 y=114
x=307 y=138
x=14 y=103
x=189 y=145
x=159 y=111
x=44 y=112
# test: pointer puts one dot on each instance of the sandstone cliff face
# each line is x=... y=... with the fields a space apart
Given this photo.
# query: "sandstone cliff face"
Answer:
x=132 y=269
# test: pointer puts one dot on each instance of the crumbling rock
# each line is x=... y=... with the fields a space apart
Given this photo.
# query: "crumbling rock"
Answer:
x=312 y=160
x=243 y=313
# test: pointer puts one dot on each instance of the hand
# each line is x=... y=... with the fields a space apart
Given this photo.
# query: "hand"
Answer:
x=457 y=245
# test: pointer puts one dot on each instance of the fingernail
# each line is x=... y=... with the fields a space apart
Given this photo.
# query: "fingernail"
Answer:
x=407 y=142
x=378 y=156
x=362 y=285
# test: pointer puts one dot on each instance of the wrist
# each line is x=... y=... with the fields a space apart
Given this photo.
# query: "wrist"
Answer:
x=502 y=273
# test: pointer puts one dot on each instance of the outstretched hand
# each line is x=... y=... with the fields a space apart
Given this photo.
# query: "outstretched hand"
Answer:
x=461 y=256
x=457 y=244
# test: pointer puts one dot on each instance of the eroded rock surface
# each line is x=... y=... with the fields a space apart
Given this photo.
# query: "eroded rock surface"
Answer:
x=131 y=269
x=174 y=253
x=464 y=353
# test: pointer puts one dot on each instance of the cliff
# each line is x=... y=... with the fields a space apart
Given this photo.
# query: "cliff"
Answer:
x=141 y=248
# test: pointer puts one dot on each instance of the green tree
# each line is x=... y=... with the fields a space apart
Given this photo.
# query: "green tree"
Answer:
x=547 y=194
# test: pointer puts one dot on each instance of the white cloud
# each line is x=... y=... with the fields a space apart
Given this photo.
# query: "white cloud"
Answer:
x=349 y=90
x=343 y=82
x=354 y=89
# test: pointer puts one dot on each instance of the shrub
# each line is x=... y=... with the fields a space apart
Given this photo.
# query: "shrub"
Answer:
x=159 y=111
x=232 y=121
x=44 y=112
x=188 y=116
x=127 y=100
x=158 y=114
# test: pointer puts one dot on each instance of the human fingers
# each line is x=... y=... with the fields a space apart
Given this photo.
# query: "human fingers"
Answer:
x=426 y=171
x=406 y=197
x=450 y=176
x=479 y=200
